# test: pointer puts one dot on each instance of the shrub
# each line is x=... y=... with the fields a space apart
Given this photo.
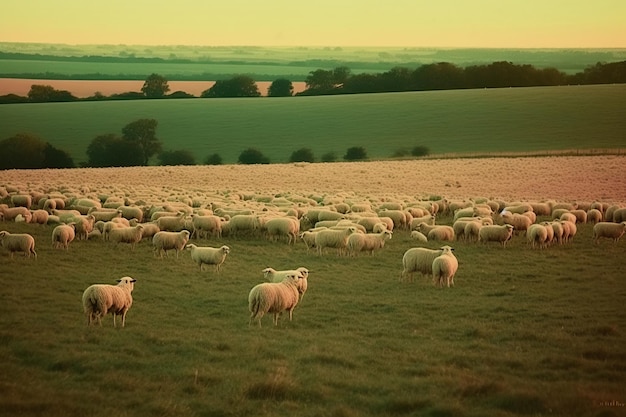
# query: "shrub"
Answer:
x=420 y=150
x=24 y=151
x=329 y=157
x=399 y=153
x=355 y=153
x=253 y=156
x=302 y=155
x=178 y=157
x=213 y=159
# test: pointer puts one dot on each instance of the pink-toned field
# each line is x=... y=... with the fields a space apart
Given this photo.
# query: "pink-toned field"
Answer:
x=86 y=88
x=565 y=178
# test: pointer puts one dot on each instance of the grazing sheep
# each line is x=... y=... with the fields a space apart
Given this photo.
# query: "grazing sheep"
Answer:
x=619 y=215
x=496 y=233
x=83 y=225
x=333 y=239
x=18 y=242
x=131 y=212
x=569 y=230
x=203 y=226
x=164 y=241
x=608 y=230
x=103 y=214
x=208 y=255
x=274 y=297
x=243 y=223
x=570 y=217
x=100 y=299
x=437 y=232
x=63 y=235
x=580 y=215
x=308 y=237
x=418 y=260
x=10 y=213
x=594 y=216
x=537 y=235
x=428 y=219
x=273 y=275
x=472 y=229
x=557 y=231
x=131 y=235
x=21 y=200
x=283 y=226
x=172 y=223
x=359 y=242
x=518 y=221
x=444 y=267
x=419 y=236
x=39 y=217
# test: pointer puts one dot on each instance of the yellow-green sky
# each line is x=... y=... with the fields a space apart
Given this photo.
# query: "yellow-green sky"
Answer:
x=425 y=23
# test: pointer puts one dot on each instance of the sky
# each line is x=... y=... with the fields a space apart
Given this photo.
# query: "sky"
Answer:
x=403 y=23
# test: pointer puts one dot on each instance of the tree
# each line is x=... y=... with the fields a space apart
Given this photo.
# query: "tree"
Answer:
x=178 y=157
x=252 y=156
x=111 y=150
x=238 y=86
x=46 y=93
x=213 y=159
x=142 y=132
x=329 y=157
x=24 y=151
x=302 y=155
x=420 y=150
x=281 y=87
x=155 y=86
x=356 y=153
x=56 y=158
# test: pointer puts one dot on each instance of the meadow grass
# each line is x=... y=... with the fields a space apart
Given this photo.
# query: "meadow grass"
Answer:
x=459 y=121
x=523 y=332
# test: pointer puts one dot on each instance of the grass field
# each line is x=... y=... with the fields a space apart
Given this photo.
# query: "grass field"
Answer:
x=459 y=121
x=523 y=332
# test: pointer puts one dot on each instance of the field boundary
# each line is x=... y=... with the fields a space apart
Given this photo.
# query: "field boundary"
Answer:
x=530 y=154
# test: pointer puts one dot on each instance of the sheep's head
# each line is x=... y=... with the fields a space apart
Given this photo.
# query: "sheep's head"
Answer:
x=127 y=282
x=225 y=249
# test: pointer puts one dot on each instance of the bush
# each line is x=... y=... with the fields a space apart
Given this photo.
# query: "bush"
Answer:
x=400 y=153
x=253 y=156
x=179 y=157
x=214 y=159
x=329 y=157
x=356 y=153
x=302 y=155
x=24 y=151
x=420 y=151
x=111 y=150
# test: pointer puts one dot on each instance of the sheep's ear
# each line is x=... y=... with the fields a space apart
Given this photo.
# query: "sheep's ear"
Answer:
x=133 y=280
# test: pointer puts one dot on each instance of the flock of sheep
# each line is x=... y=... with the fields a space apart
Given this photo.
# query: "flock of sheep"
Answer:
x=346 y=227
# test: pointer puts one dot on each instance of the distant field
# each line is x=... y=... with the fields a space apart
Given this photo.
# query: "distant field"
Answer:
x=460 y=122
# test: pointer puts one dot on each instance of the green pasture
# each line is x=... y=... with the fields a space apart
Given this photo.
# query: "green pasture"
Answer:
x=465 y=122
x=524 y=332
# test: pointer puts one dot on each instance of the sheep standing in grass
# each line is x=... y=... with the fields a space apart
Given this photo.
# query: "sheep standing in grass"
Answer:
x=333 y=239
x=274 y=297
x=273 y=275
x=418 y=260
x=208 y=255
x=283 y=226
x=359 y=242
x=131 y=235
x=172 y=223
x=537 y=235
x=39 y=217
x=594 y=216
x=444 y=267
x=100 y=299
x=437 y=232
x=569 y=230
x=18 y=242
x=419 y=236
x=496 y=233
x=63 y=235
x=10 y=213
x=519 y=222
x=164 y=241
x=203 y=226
x=608 y=230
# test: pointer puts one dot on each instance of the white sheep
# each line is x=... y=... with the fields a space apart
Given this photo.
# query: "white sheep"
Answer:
x=172 y=223
x=205 y=255
x=444 y=267
x=308 y=237
x=103 y=214
x=63 y=235
x=206 y=225
x=496 y=233
x=164 y=241
x=537 y=235
x=10 y=213
x=131 y=235
x=333 y=239
x=100 y=299
x=273 y=275
x=274 y=297
x=418 y=260
x=243 y=223
x=594 y=215
x=419 y=236
x=359 y=242
x=437 y=232
x=131 y=212
x=83 y=226
x=18 y=242
x=569 y=230
x=608 y=230
x=283 y=226
x=22 y=200
x=39 y=217
x=520 y=222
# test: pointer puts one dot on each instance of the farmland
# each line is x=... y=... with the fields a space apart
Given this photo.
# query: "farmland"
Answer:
x=523 y=332
x=447 y=122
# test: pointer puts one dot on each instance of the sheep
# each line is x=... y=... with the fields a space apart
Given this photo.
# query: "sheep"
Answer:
x=418 y=260
x=164 y=241
x=580 y=215
x=444 y=267
x=398 y=217
x=208 y=255
x=18 y=242
x=100 y=299
x=246 y=223
x=172 y=223
x=569 y=230
x=149 y=228
x=131 y=212
x=39 y=217
x=557 y=230
x=537 y=235
x=594 y=216
x=419 y=236
x=283 y=226
x=619 y=215
x=608 y=230
x=83 y=226
x=518 y=221
x=496 y=233
x=570 y=217
x=359 y=242
x=107 y=227
x=273 y=275
x=104 y=215
x=428 y=219
x=205 y=225
x=472 y=229
x=22 y=200
x=437 y=232
x=10 y=213
x=308 y=237
x=63 y=235
x=130 y=235
x=274 y=297
x=333 y=239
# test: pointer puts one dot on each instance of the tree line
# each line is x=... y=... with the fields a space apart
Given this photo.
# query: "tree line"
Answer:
x=340 y=80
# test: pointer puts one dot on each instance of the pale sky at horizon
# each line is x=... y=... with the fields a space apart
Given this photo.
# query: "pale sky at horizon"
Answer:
x=403 y=23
